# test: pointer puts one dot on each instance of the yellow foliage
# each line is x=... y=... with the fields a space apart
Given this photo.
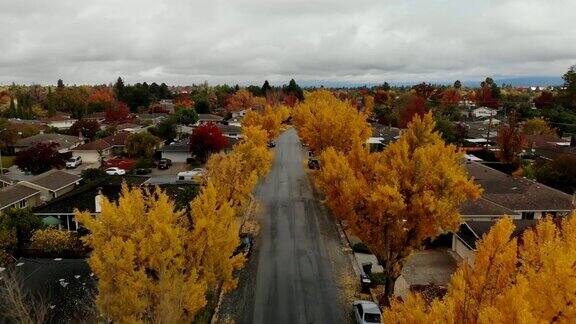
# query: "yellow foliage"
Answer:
x=270 y=120
x=213 y=239
x=141 y=260
x=324 y=121
x=531 y=282
x=537 y=126
x=53 y=240
x=395 y=199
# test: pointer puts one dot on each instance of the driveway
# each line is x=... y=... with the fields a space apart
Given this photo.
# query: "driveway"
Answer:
x=294 y=273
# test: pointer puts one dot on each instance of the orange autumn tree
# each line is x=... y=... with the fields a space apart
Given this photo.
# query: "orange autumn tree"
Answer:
x=510 y=282
x=243 y=99
x=324 y=121
x=395 y=199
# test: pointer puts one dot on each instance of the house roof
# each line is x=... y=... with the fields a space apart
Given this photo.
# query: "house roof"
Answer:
x=209 y=117
x=518 y=194
x=118 y=139
x=55 y=119
x=229 y=129
x=54 y=179
x=553 y=152
x=96 y=145
x=14 y=194
x=472 y=231
x=65 y=141
x=180 y=146
x=484 y=207
x=127 y=125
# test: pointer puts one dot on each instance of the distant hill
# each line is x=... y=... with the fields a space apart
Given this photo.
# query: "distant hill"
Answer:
x=522 y=81
x=528 y=81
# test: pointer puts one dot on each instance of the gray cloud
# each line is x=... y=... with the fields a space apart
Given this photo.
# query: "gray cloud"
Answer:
x=245 y=41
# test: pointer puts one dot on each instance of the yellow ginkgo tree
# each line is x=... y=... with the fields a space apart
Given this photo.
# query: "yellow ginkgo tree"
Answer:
x=141 y=261
x=324 y=121
x=395 y=199
x=532 y=280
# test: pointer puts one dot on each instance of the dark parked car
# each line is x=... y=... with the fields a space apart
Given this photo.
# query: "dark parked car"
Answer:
x=164 y=164
x=246 y=243
x=142 y=171
x=313 y=164
x=271 y=144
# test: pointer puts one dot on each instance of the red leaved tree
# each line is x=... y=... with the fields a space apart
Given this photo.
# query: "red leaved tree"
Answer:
x=544 y=100
x=40 y=158
x=118 y=113
x=205 y=140
x=416 y=106
x=510 y=142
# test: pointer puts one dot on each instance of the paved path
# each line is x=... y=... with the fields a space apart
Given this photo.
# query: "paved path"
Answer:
x=294 y=274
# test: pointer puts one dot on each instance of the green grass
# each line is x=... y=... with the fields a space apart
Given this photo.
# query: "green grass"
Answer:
x=7 y=161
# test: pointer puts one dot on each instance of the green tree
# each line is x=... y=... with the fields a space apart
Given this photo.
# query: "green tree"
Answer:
x=266 y=87
x=141 y=144
x=22 y=221
x=186 y=116
x=166 y=130
x=570 y=87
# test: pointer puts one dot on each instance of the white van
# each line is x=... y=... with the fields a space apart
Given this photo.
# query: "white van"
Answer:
x=195 y=175
x=73 y=162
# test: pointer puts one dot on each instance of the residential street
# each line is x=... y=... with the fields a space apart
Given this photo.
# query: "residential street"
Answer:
x=294 y=274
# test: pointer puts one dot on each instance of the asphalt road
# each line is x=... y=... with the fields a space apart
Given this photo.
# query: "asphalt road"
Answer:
x=293 y=275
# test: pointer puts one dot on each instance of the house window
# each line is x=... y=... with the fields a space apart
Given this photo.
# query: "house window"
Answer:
x=23 y=203
x=527 y=215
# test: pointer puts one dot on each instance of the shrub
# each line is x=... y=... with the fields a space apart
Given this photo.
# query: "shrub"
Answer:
x=22 y=221
x=54 y=240
x=92 y=174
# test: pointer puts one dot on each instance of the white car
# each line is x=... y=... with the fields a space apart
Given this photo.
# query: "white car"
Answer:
x=115 y=171
x=366 y=312
x=195 y=175
x=73 y=162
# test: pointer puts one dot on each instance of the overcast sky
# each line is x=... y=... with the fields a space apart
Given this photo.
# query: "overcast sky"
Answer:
x=247 y=41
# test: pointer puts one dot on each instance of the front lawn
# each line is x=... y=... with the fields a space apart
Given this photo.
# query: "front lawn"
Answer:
x=7 y=161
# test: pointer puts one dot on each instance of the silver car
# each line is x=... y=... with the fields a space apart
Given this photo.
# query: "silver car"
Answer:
x=366 y=312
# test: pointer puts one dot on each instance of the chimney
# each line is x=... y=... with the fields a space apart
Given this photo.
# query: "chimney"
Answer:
x=98 y=201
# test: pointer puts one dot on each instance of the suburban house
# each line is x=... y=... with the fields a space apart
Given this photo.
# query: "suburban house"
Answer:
x=178 y=151
x=382 y=135
x=38 y=190
x=53 y=183
x=98 y=116
x=208 y=118
x=483 y=112
x=167 y=104
x=230 y=131
x=519 y=197
x=18 y=196
x=239 y=113
x=106 y=147
x=61 y=122
x=464 y=241
x=65 y=142
x=129 y=127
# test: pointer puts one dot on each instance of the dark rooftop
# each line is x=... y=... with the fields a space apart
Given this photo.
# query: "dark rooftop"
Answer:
x=472 y=231
x=65 y=141
x=15 y=193
x=54 y=179
x=518 y=194
x=484 y=207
